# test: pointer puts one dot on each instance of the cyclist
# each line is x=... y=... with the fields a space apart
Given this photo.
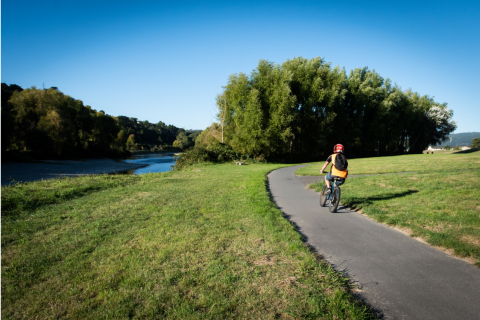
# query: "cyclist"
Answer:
x=334 y=172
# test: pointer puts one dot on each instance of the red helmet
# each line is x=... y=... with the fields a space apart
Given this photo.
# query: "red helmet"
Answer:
x=338 y=148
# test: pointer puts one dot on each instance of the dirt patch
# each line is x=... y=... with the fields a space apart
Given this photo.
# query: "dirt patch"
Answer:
x=408 y=232
x=264 y=261
x=404 y=230
x=289 y=280
x=471 y=239
x=451 y=252
x=436 y=228
x=143 y=195
x=384 y=185
x=259 y=241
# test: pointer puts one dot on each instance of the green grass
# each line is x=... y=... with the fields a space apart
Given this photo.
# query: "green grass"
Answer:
x=205 y=243
x=404 y=163
x=439 y=204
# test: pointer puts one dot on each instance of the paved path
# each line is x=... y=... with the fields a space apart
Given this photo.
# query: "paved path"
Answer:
x=398 y=275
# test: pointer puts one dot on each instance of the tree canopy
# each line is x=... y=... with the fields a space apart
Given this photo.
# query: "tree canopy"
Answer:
x=298 y=110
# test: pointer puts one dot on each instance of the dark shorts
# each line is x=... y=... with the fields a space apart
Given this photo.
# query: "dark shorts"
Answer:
x=330 y=177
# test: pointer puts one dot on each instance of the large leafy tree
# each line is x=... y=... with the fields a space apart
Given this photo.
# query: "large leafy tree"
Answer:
x=300 y=109
x=258 y=109
x=317 y=91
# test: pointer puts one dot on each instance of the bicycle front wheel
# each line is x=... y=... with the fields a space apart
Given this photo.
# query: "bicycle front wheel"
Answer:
x=323 y=196
x=335 y=200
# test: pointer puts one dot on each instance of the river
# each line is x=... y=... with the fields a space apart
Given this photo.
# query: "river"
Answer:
x=156 y=162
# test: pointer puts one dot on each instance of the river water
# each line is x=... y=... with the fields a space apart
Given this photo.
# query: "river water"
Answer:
x=156 y=162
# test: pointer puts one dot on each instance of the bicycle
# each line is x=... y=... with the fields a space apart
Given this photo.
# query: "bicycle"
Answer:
x=333 y=196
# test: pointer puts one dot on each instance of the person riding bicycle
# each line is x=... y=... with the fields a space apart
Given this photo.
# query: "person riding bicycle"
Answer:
x=334 y=171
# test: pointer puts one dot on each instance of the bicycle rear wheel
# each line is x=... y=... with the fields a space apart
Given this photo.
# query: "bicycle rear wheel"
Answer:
x=323 y=196
x=335 y=200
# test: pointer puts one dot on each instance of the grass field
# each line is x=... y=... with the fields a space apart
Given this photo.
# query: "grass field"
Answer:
x=404 y=163
x=440 y=203
x=207 y=243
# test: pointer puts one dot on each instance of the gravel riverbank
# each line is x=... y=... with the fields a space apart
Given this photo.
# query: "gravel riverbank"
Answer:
x=48 y=169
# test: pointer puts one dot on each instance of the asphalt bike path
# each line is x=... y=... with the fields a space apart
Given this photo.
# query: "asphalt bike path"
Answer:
x=397 y=275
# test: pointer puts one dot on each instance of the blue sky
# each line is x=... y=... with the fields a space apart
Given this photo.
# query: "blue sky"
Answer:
x=167 y=60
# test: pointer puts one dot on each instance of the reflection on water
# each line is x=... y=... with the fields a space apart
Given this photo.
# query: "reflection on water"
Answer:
x=157 y=162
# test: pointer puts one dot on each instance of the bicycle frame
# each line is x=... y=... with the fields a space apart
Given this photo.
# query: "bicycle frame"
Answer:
x=332 y=187
x=332 y=194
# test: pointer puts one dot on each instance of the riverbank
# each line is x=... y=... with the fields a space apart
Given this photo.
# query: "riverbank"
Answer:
x=47 y=169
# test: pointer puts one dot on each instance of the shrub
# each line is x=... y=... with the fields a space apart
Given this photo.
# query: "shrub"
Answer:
x=475 y=143
x=216 y=153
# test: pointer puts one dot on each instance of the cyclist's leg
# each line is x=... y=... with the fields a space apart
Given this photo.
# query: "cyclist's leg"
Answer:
x=328 y=178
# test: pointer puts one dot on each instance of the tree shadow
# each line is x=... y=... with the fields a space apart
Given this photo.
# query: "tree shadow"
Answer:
x=467 y=151
x=370 y=200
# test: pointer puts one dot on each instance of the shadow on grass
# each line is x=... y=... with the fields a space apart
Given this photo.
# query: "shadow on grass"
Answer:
x=26 y=198
x=467 y=151
x=352 y=203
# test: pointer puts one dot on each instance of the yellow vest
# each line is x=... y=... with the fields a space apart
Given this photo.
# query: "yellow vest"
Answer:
x=335 y=172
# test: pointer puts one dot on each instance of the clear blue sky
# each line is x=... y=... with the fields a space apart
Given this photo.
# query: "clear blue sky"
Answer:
x=167 y=60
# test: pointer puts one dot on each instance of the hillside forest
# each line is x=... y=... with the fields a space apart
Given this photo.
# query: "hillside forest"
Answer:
x=46 y=123
x=300 y=109
x=460 y=139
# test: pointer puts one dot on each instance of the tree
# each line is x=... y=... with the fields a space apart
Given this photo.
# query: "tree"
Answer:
x=182 y=141
x=53 y=125
x=8 y=114
x=209 y=136
x=222 y=111
x=121 y=141
x=439 y=124
x=475 y=143
x=131 y=142
x=258 y=115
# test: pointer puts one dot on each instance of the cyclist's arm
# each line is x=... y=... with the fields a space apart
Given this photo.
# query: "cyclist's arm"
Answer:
x=324 y=166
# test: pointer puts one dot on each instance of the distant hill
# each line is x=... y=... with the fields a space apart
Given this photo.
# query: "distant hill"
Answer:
x=460 y=139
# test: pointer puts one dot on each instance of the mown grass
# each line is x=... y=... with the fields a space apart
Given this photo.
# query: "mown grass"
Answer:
x=442 y=207
x=206 y=243
x=403 y=163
